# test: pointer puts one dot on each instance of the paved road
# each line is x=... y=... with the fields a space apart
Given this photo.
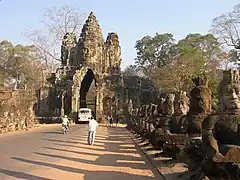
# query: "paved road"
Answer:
x=45 y=153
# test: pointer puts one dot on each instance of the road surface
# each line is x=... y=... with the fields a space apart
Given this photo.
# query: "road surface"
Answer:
x=45 y=153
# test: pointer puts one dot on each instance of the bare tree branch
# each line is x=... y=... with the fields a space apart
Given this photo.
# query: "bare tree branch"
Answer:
x=56 y=23
x=226 y=27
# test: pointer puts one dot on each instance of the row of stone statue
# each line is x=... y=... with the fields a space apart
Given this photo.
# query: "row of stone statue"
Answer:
x=188 y=130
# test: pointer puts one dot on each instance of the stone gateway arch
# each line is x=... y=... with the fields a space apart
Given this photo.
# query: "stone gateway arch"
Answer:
x=86 y=71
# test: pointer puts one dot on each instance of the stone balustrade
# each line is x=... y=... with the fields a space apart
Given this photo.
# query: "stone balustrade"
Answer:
x=187 y=134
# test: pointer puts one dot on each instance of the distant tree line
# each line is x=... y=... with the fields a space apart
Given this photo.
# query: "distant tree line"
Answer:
x=172 y=64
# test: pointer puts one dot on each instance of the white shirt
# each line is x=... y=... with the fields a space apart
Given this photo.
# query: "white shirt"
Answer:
x=65 y=121
x=92 y=126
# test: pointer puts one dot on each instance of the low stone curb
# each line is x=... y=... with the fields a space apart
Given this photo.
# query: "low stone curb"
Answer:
x=167 y=168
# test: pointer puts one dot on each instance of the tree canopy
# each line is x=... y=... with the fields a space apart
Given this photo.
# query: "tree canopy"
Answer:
x=20 y=64
x=154 y=52
x=226 y=28
x=171 y=65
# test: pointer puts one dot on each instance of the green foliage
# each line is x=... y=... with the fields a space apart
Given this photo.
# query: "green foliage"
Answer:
x=130 y=71
x=154 y=52
x=22 y=63
x=174 y=69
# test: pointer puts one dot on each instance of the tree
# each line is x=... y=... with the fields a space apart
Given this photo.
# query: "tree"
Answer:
x=197 y=54
x=56 y=23
x=206 y=46
x=21 y=64
x=154 y=52
x=226 y=27
x=130 y=71
x=177 y=74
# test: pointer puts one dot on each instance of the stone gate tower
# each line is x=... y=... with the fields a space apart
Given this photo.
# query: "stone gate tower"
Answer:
x=89 y=63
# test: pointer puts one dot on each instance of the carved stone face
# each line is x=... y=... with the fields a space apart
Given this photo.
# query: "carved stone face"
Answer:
x=86 y=53
x=167 y=107
x=201 y=101
x=181 y=103
x=231 y=96
x=181 y=107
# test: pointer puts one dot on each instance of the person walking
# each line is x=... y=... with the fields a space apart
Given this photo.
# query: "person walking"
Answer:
x=111 y=121
x=117 y=120
x=92 y=128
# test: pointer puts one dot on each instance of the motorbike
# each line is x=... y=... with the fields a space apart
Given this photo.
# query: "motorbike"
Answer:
x=65 y=129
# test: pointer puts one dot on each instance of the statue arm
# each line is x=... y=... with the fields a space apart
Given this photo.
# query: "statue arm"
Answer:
x=210 y=145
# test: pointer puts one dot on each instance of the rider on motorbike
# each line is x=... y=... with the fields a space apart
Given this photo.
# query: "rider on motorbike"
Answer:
x=65 y=122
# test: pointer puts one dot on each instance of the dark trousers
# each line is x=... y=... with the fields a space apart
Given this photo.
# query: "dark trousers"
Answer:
x=91 y=137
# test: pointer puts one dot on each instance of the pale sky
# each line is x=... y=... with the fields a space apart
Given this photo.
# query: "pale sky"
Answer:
x=131 y=19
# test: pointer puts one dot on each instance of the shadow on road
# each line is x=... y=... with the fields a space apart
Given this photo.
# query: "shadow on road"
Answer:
x=88 y=174
x=116 y=160
x=22 y=175
x=113 y=157
x=63 y=141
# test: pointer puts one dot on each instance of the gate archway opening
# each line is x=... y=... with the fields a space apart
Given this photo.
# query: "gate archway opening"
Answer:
x=88 y=93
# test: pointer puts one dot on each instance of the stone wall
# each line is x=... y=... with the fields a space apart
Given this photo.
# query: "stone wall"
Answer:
x=16 y=110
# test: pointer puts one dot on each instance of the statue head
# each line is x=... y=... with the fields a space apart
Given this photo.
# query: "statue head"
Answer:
x=167 y=106
x=229 y=90
x=181 y=103
x=69 y=39
x=112 y=38
x=201 y=100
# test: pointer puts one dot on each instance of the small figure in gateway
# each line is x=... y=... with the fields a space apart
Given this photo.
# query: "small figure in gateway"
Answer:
x=65 y=123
